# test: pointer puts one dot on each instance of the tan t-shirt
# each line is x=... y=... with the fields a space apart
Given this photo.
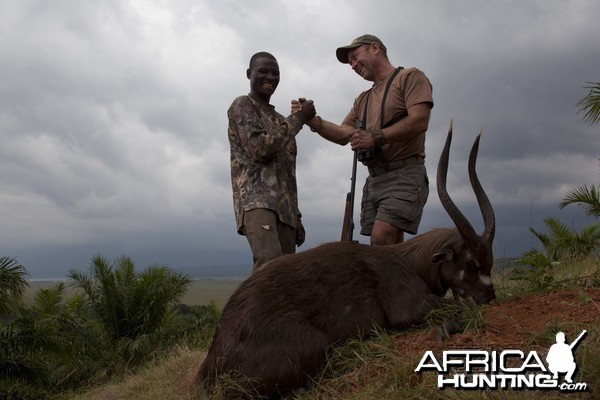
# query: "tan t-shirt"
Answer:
x=410 y=87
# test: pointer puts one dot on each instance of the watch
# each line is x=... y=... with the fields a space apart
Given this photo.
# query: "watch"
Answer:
x=378 y=137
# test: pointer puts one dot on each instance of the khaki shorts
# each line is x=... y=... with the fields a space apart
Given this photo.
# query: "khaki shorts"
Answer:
x=396 y=197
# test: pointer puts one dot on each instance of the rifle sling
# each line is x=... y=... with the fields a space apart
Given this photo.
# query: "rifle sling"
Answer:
x=385 y=93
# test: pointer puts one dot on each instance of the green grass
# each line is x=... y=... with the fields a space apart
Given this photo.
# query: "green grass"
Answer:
x=520 y=281
x=169 y=378
x=374 y=368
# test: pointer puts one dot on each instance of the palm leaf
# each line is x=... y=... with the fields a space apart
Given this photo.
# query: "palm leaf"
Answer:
x=128 y=303
x=590 y=104
x=12 y=283
x=586 y=197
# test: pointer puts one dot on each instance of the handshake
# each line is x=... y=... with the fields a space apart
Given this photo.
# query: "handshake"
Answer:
x=305 y=107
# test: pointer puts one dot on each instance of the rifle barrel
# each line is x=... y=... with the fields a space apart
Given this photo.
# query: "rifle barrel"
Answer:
x=574 y=342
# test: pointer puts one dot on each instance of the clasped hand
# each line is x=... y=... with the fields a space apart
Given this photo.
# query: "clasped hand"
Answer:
x=306 y=107
x=360 y=139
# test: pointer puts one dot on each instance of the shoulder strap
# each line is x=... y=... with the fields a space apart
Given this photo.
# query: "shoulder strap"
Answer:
x=363 y=122
x=387 y=89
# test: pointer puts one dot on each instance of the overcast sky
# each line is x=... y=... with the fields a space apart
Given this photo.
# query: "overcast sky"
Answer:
x=113 y=125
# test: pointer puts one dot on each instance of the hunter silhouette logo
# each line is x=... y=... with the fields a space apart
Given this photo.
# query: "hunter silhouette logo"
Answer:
x=560 y=356
x=506 y=369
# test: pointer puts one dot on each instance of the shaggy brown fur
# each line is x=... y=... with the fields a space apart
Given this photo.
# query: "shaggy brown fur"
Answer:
x=276 y=327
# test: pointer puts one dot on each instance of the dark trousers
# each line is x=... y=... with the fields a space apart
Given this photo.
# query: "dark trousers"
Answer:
x=267 y=235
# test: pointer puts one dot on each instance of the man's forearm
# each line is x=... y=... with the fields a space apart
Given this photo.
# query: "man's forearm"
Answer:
x=339 y=134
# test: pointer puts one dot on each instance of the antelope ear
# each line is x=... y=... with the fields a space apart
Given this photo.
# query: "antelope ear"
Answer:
x=440 y=257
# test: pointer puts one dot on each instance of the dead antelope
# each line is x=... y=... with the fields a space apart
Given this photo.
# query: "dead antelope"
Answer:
x=276 y=327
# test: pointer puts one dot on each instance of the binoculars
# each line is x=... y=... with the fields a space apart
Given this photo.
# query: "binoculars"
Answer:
x=369 y=154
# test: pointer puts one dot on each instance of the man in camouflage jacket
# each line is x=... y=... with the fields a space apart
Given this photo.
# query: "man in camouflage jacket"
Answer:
x=263 y=165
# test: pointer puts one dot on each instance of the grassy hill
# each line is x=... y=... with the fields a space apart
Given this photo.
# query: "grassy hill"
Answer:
x=526 y=316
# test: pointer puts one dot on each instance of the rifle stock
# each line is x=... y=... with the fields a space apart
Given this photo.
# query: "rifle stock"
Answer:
x=348 y=224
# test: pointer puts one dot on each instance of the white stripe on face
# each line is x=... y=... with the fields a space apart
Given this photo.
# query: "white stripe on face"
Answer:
x=485 y=279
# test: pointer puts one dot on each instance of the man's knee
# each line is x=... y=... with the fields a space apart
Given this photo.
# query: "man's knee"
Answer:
x=384 y=234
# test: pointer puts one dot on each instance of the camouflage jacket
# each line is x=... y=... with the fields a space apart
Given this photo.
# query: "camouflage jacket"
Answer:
x=263 y=159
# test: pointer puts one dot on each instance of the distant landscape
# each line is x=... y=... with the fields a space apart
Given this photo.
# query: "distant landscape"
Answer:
x=210 y=284
x=200 y=272
x=238 y=272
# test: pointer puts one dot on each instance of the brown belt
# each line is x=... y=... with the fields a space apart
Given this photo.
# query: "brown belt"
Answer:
x=387 y=166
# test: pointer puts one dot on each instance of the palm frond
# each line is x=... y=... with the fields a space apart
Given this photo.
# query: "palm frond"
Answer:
x=12 y=283
x=128 y=303
x=590 y=104
x=586 y=197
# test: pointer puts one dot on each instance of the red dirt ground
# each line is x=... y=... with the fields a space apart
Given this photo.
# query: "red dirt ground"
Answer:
x=525 y=324
x=521 y=323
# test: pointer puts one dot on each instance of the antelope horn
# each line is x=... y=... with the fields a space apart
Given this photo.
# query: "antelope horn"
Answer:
x=462 y=224
x=489 y=220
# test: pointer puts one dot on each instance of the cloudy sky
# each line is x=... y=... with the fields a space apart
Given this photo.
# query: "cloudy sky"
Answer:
x=113 y=117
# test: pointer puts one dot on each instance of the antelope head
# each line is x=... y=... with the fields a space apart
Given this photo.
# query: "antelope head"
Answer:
x=467 y=258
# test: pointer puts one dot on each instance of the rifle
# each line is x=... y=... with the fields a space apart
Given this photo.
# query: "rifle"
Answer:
x=348 y=224
x=574 y=342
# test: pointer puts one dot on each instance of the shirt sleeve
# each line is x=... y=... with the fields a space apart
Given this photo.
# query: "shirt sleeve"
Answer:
x=260 y=133
x=417 y=88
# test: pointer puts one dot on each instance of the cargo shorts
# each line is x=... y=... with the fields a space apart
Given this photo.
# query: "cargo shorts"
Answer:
x=396 y=197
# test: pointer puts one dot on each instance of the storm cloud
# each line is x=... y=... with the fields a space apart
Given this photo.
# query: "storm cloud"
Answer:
x=113 y=117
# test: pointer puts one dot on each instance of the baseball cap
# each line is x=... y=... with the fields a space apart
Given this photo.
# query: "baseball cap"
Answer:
x=342 y=52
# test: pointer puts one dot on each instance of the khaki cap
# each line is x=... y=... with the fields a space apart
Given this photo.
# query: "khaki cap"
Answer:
x=342 y=52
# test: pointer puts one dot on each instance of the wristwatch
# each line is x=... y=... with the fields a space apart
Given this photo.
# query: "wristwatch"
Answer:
x=378 y=137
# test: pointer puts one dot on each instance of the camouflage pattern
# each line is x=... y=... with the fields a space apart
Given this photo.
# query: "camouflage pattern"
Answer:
x=263 y=159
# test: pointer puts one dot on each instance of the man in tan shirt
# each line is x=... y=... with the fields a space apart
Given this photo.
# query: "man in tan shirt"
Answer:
x=387 y=126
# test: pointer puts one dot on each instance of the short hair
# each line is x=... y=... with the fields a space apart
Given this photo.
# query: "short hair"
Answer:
x=260 y=54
